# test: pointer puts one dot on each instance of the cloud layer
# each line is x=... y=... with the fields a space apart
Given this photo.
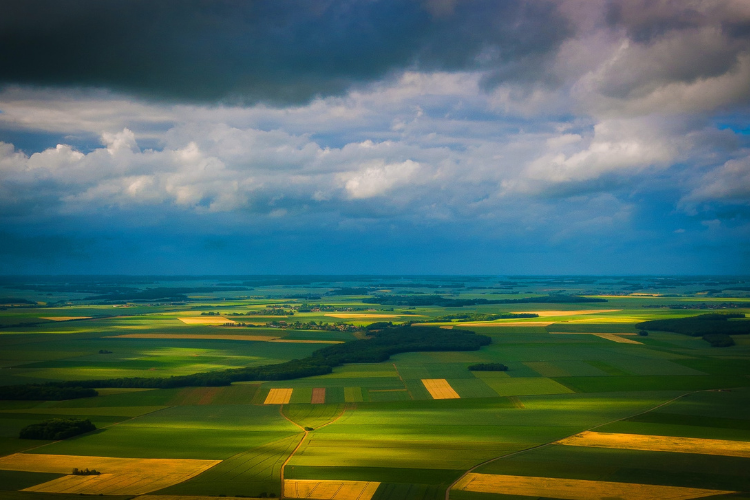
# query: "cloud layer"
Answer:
x=555 y=124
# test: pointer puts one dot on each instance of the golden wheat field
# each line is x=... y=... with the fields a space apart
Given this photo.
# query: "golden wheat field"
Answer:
x=495 y=323
x=296 y=341
x=330 y=490
x=188 y=497
x=361 y=315
x=545 y=314
x=119 y=476
x=278 y=397
x=576 y=489
x=65 y=318
x=659 y=443
x=439 y=388
x=616 y=338
x=205 y=320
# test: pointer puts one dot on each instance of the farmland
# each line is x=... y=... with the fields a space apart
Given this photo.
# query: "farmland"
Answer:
x=588 y=407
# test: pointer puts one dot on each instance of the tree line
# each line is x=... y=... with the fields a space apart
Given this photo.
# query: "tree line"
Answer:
x=714 y=328
x=379 y=347
x=57 y=429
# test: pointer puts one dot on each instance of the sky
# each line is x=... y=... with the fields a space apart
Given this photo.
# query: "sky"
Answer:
x=375 y=136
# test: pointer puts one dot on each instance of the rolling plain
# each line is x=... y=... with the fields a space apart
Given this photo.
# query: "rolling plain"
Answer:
x=589 y=407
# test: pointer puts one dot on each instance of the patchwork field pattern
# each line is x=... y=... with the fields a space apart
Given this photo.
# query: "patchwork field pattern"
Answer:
x=577 y=489
x=659 y=443
x=330 y=490
x=671 y=412
x=440 y=388
x=120 y=476
x=248 y=473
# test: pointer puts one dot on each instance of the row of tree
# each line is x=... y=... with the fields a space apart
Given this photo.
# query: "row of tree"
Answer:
x=714 y=328
x=488 y=367
x=44 y=392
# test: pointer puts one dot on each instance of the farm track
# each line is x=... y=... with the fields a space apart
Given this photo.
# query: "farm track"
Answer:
x=544 y=445
x=403 y=382
x=302 y=441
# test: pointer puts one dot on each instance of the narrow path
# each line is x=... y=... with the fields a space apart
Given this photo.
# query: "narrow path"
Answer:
x=304 y=436
x=301 y=442
x=403 y=382
x=543 y=445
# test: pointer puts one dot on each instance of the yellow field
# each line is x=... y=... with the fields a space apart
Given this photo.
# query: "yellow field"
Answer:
x=576 y=489
x=492 y=323
x=278 y=397
x=659 y=443
x=439 y=388
x=65 y=318
x=329 y=490
x=507 y=323
x=293 y=341
x=206 y=320
x=616 y=338
x=120 y=476
x=545 y=314
x=188 y=497
x=362 y=315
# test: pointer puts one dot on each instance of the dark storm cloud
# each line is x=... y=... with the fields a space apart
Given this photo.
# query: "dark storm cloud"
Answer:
x=646 y=20
x=278 y=50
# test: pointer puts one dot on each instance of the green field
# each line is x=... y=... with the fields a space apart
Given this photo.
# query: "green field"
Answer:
x=376 y=421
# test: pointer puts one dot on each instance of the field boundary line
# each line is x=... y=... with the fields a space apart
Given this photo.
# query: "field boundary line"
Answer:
x=343 y=410
x=543 y=445
x=299 y=445
x=304 y=436
x=411 y=396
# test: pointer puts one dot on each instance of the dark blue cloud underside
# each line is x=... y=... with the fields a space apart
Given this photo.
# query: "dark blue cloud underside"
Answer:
x=282 y=51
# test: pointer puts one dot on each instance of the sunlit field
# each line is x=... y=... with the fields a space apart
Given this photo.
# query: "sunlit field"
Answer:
x=592 y=402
